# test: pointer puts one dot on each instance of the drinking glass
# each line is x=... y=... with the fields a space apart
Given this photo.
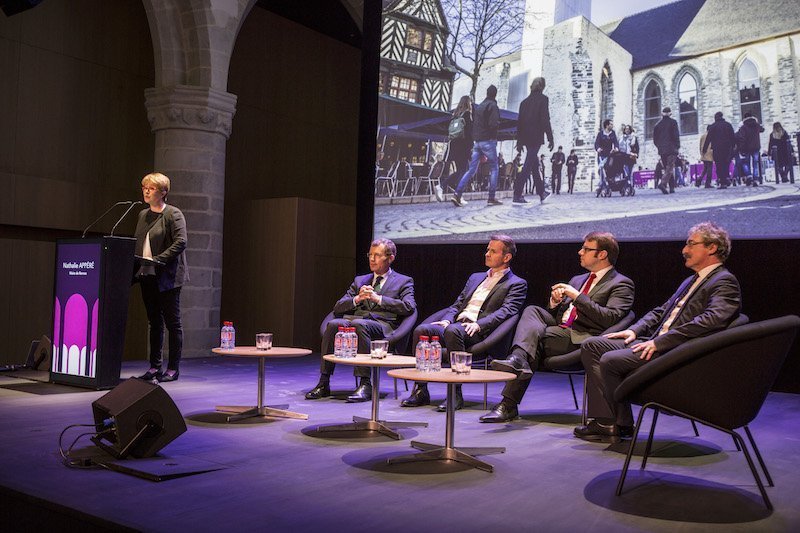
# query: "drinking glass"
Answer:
x=461 y=362
x=264 y=341
x=378 y=349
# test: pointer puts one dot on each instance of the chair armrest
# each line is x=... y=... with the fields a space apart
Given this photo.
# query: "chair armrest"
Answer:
x=398 y=339
x=498 y=335
x=700 y=347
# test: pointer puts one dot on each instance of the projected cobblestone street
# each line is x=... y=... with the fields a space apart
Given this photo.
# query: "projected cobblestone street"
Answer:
x=769 y=210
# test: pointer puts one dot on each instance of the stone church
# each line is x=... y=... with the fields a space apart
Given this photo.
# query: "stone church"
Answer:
x=695 y=56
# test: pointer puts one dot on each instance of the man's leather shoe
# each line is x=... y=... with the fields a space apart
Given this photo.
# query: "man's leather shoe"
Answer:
x=596 y=432
x=362 y=394
x=419 y=397
x=166 y=378
x=514 y=364
x=520 y=200
x=501 y=412
x=493 y=201
x=322 y=390
x=150 y=375
x=663 y=188
x=458 y=404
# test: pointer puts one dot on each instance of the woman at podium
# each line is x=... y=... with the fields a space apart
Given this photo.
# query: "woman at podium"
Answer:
x=161 y=272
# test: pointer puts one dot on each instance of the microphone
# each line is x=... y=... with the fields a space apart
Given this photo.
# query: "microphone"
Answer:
x=107 y=211
x=133 y=204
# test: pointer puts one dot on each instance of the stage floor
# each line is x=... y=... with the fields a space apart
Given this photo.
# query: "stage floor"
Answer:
x=280 y=475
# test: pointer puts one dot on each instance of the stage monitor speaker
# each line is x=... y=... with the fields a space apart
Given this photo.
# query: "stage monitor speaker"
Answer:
x=136 y=418
x=12 y=7
x=39 y=354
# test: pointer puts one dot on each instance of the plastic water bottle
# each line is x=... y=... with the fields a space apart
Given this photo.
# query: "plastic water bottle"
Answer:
x=227 y=336
x=338 y=342
x=436 y=354
x=352 y=345
x=419 y=354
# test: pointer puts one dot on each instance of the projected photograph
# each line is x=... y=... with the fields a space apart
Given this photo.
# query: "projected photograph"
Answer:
x=649 y=135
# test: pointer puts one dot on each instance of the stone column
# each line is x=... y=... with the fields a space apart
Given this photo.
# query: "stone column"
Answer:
x=191 y=126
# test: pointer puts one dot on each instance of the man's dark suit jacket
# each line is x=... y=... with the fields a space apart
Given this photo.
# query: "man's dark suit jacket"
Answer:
x=397 y=293
x=607 y=303
x=711 y=307
x=533 y=123
x=168 y=239
x=504 y=301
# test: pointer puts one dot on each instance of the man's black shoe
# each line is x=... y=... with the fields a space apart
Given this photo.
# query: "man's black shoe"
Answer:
x=493 y=201
x=458 y=401
x=663 y=188
x=362 y=394
x=322 y=390
x=166 y=378
x=520 y=200
x=501 y=412
x=514 y=364
x=597 y=432
x=419 y=397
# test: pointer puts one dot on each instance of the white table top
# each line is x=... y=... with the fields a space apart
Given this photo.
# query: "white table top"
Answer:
x=391 y=361
x=251 y=351
x=448 y=376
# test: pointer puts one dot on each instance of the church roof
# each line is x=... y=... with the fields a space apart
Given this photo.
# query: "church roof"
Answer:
x=689 y=28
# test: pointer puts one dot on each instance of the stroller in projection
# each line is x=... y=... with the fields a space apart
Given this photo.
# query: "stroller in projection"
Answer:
x=616 y=180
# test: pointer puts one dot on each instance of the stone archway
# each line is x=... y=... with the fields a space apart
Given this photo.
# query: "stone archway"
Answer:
x=191 y=114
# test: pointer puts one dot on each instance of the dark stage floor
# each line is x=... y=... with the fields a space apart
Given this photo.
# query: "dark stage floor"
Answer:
x=279 y=475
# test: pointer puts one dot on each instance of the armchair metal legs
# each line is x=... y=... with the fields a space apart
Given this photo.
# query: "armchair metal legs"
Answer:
x=736 y=438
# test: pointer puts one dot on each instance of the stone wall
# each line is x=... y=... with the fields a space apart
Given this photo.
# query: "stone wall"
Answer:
x=574 y=59
x=716 y=76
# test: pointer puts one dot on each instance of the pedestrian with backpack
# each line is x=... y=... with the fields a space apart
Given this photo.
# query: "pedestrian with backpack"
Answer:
x=459 y=131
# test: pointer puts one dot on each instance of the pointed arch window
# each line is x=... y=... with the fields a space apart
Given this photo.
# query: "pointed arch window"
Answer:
x=606 y=94
x=749 y=83
x=687 y=93
x=652 y=107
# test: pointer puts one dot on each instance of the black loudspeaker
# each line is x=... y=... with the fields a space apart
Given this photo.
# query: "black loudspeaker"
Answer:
x=12 y=7
x=136 y=418
x=39 y=354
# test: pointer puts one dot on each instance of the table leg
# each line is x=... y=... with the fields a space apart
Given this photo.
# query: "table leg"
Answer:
x=372 y=423
x=433 y=452
x=260 y=409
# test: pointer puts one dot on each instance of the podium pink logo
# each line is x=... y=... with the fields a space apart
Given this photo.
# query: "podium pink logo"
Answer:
x=75 y=337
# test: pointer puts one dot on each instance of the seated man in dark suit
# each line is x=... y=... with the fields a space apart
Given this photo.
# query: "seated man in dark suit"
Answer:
x=488 y=299
x=375 y=304
x=704 y=303
x=586 y=306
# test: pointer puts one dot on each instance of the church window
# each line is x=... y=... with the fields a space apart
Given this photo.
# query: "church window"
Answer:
x=687 y=93
x=404 y=88
x=606 y=94
x=652 y=107
x=749 y=89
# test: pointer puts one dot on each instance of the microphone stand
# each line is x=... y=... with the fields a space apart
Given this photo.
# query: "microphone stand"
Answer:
x=133 y=204
x=107 y=211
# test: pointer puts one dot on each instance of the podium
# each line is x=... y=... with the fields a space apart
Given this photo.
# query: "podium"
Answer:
x=91 y=289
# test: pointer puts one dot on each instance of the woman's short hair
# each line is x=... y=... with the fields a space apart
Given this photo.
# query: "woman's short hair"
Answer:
x=158 y=180
x=538 y=84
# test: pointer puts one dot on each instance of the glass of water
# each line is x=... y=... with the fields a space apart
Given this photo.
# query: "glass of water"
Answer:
x=461 y=362
x=378 y=349
x=264 y=341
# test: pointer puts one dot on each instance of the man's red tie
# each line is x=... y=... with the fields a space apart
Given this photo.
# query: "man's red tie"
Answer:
x=574 y=313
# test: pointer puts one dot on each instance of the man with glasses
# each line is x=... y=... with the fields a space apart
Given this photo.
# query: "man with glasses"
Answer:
x=586 y=306
x=374 y=305
x=704 y=303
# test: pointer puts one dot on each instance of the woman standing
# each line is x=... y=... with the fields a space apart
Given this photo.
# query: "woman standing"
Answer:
x=460 y=147
x=780 y=151
x=160 y=242
x=629 y=144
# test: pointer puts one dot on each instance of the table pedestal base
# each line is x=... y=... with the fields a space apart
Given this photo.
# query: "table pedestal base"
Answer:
x=367 y=424
x=434 y=452
x=243 y=412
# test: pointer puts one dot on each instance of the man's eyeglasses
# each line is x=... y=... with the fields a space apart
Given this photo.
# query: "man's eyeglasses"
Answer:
x=691 y=243
x=375 y=256
x=587 y=249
